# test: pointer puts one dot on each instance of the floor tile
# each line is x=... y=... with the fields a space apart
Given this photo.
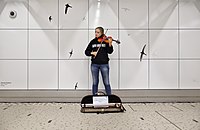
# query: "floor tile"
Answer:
x=64 y=116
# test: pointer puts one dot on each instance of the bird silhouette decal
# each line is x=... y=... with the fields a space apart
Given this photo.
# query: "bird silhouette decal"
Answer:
x=66 y=8
x=84 y=18
x=126 y=9
x=50 y=18
x=142 y=53
x=49 y=121
x=76 y=86
x=70 y=53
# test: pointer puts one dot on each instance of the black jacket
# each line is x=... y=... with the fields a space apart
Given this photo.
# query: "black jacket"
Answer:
x=102 y=55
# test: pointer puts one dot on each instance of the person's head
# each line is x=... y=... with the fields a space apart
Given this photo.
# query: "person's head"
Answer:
x=99 y=31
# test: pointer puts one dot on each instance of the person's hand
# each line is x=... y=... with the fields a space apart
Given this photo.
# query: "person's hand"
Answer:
x=110 y=41
x=94 y=53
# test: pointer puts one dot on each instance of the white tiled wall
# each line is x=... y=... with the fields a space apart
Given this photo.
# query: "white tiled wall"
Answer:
x=35 y=52
x=13 y=44
x=163 y=14
x=70 y=41
x=189 y=14
x=133 y=74
x=76 y=17
x=20 y=6
x=73 y=72
x=163 y=74
x=39 y=13
x=43 y=44
x=189 y=76
x=13 y=74
x=132 y=43
x=43 y=74
x=163 y=41
x=133 y=14
x=189 y=46
x=103 y=13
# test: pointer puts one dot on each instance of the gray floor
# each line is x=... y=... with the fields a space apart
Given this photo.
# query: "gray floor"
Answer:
x=66 y=116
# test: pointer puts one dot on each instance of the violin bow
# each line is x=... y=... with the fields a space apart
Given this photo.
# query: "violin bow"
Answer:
x=101 y=43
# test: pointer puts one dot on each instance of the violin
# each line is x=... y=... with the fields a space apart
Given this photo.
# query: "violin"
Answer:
x=106 y=39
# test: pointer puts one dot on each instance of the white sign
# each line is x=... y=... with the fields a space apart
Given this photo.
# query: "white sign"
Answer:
x=100 y=101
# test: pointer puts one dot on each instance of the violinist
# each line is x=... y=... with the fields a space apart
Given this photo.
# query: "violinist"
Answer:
x=98 y=49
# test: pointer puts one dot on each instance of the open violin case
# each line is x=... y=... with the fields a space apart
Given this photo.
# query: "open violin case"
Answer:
x=101 y=103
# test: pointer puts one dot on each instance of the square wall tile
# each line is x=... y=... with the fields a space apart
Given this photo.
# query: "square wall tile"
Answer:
x=132 y=43
x=74 y=41
x=72 y=73
x=103 y=13
x=162 y=42
x=13 y=44
x=114 y=35
x=163 y=14
x=19 y=19
x=43 y=74
x=190 y=74
x=163 y=74
x=133 y=74
x=133 y=14
x=189 y=43
x=113 y=74
x=43 y=44
x=189 y=13
x=13 y=74
x=43 y=14
x=76 y=17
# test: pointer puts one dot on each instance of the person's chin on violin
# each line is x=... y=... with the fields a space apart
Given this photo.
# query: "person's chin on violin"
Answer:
x=98 y=49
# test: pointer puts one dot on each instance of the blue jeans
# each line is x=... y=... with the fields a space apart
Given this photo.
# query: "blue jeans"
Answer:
x=104 y=68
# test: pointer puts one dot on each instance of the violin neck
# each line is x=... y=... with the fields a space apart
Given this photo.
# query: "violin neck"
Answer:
x=117 y=41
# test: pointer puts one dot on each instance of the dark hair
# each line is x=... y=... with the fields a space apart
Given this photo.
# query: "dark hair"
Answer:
x=101 y=29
